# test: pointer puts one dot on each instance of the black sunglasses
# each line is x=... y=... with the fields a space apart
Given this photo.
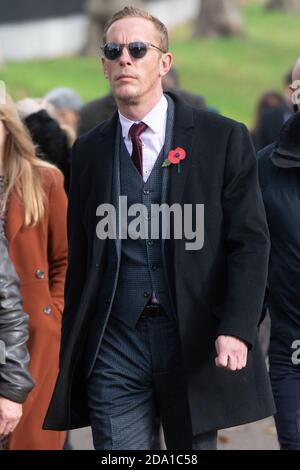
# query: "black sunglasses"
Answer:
x=137 y=49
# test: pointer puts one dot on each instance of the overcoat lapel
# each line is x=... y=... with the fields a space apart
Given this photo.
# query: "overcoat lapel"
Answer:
x=104 y=152
x=183 y=136
x=116 y=188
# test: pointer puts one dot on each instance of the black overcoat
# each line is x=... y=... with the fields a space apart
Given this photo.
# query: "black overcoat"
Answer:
x=216 y=290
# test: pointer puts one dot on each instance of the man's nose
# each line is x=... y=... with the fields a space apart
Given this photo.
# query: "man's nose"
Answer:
x=125 y=57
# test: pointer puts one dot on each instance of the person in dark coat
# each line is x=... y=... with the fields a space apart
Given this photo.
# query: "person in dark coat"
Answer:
x=272 y=118
x=151 y=322
x=279 y=171
x=50 y=140
x=170 y=82
x=269 y=99
x=95 y=112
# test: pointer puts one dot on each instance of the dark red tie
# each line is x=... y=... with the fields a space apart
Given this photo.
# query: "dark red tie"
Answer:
x=137 y=147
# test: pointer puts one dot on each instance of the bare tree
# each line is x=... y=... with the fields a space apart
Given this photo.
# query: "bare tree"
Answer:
x=218 y=18
x=288 y=5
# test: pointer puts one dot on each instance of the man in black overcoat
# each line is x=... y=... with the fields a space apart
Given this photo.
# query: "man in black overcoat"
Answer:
x=164 y=321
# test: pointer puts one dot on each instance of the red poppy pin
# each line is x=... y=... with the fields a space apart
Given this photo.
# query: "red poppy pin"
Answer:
x=174 y=157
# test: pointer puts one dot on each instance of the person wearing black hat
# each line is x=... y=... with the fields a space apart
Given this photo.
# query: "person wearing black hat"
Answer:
x=279 y=173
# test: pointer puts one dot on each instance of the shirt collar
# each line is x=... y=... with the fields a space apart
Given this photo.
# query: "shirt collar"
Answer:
x=154 y=119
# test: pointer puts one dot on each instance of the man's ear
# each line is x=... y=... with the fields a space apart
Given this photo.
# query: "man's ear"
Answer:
x=104 y=67
x=165 y=63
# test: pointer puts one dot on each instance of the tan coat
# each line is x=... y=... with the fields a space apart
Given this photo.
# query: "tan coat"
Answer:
x=40 y=257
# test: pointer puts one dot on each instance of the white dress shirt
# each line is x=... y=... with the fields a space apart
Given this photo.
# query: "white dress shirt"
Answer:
x=153 y=138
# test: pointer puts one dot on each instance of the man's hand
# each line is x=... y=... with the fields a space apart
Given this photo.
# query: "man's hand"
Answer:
x=232 y=353
x=10 y=414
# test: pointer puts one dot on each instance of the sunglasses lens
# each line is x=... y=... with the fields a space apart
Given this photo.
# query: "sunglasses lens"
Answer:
x=112 y=50
x=137 y=49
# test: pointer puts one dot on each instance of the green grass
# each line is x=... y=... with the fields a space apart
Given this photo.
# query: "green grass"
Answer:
x=230 y=73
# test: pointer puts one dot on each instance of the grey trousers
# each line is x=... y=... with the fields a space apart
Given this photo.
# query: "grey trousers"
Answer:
x=138 y=375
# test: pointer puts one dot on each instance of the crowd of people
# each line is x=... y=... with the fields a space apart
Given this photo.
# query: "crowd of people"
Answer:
x=125 y=335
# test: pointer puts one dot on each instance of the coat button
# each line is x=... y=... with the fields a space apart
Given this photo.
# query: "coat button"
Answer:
x=47 y=310
x=39 y=274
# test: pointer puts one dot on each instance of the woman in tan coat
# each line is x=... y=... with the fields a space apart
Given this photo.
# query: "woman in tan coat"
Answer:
x=33 y=206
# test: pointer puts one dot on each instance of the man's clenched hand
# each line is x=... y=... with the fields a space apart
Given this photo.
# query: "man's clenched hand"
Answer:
x=231 y=353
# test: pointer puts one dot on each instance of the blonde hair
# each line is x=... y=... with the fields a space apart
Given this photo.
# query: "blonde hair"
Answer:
x=135 y=12
x=22 y=168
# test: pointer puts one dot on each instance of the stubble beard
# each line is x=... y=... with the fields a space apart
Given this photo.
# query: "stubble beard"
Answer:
x=128 y=100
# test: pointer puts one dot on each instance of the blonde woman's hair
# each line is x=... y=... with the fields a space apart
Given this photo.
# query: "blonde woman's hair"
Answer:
x=22 y=168
x=134 y=12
